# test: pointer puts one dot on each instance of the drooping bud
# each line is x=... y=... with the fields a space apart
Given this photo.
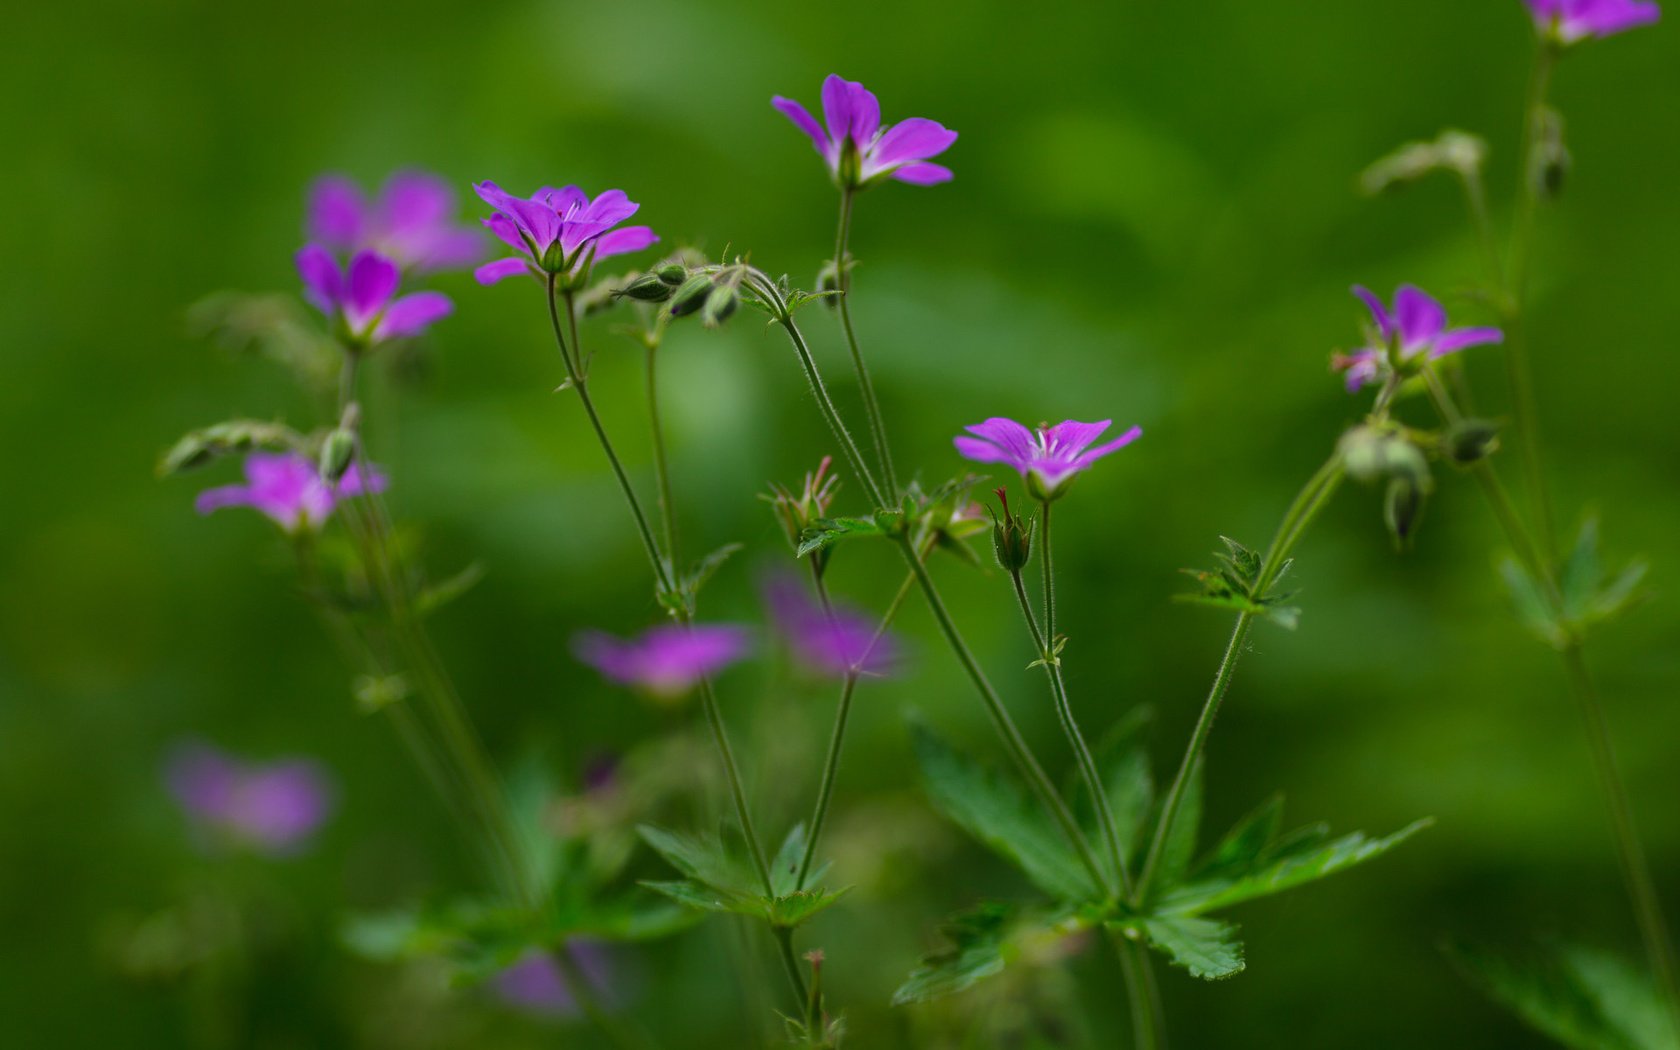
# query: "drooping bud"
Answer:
x=336 y=453
x=828 y=281
x=1369 y=453
x=1470 y=440
x=1402 y=509
x=1011 y=538
x=1550 y=161
x=691 y=296
x=720 y=303
x=647 y=288
x=672 y=274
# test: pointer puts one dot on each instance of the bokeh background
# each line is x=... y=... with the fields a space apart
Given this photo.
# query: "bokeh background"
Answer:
x=1154 y=219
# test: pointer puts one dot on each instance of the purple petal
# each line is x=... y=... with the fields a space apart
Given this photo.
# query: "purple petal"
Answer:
x=1019 y=442
x=611 y=208
x=414 y=202
x=356 y=483
x=923 y=174
x=837 y=107
x=506 y=232
x=1070 y=437
x=371 y=282
x=1379 y=312
x=412 y=313
x=1088 y=458
x=981 y=451
x=202 y=779
x=323 y=285
x=226 y=496
x=629 y=239
x=866 y=114
x=803 y=120
x=1419 y=316
x=1463 y=338
x=1361 y=366
x=910 y=140
x=335 y=212
x=279 y=806
x=491 y=272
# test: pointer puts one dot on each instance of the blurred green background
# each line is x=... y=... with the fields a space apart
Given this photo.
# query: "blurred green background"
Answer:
x=1154 y=218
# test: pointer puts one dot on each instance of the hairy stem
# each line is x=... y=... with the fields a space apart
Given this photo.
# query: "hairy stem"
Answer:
x=661 y=464
x=866 y=387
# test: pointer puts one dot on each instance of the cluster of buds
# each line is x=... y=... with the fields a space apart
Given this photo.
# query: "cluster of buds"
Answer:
x=656 y=286
x=1372 y=452
x=797 y=513
x=1011 y=537
x=714 y=296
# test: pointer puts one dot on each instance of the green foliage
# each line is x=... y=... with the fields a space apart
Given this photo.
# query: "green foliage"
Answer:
x=686 y=597
x=1583 y=998
x=1208 y=948
x=719 y=881
x=1587 y=595
x=236 y=436
x=1235 y=584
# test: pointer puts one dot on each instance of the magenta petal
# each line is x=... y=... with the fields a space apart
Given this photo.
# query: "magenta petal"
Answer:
x=226 y=496
x=1009 y=435
x=491 y=272
x=1463 y=338
x=371 y=282
x=803 y=120
x=335 y=212
x=1379 y=311
x=866 y=114
x=628 y=239
x=506 y=232
x=1419 y=317
x=414 y=201
x=610 y=208
x=412 y=313
x=322 y=283
x=837 y=107
x=1073 y=436
x=1088 y=458
x=911 y=140
x=923 y=174
x=981 y=451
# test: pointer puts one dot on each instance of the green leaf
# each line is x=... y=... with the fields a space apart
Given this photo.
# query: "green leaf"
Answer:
x=1243 y=845
x=203 y=447
x=707 y=567
x=1180 y=847
x=1583 y=999
x=978 y=949
x=1131 y=792
x=1531 y=604
x=826 y=532
x=437 y=595
x=702 y=858
x=1581 y=573
x=1279 y=873
x=997 y=813
x=791 y=910
x=1208 y=948
x=705 y=897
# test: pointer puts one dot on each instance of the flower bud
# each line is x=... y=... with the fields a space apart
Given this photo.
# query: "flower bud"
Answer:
x=672 y=274
x=720 y=304
x=336 y=453
x=1402 y=508
x=691 y=296
x=1550 y=161
x=647 y=288
x=1470 y=440
x=1011 y=538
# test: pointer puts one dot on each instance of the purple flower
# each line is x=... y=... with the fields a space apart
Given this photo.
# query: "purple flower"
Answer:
x=362 y=296
x=835 y=642
x=1048 y=457
x=666 y=661
x=1419 y=323
x=272 y=808
x=288 y=488
x=1573 y=20
x=861 y=151
x=535 y=984
x=409 y=222
x=559 y=231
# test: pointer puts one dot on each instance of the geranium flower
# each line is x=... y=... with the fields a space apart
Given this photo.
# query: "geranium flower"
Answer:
x=1048 y=458
x=1420 y=325
x=362 y=297
x=411 y=221
x=858 y=149
x=559 y=231
x=274 y=808
x=287 y=487
x=664 y=662
x=836 y=642
x=1573 y=20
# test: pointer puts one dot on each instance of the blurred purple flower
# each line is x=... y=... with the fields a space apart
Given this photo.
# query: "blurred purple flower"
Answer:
x=665 y=661
x=534 y=983
x=861 y=151
x=1420 y=325
x=835 y=642
x=363 y=296
x=273 y=808
x=559 y=231
x=288 y=488
x=410 y=222
x=1573 y=20
x=1048 y=458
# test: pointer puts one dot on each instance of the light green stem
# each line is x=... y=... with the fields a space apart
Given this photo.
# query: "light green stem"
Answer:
x=1149 y=1030
x=866 y=387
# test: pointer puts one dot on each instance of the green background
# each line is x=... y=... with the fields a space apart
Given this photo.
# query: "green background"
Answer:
x=1154 y=218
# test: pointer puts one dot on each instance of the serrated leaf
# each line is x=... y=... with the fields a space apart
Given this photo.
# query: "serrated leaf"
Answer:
x=826 y=532
x=784 y=869
x=702 y=858
x=1568 y=996
x=1208 y=948
x=977 y=950
x=1285 y=872
x=997 y=813
x=1241 y=848
x=791 y=910
x=705 y=897
x=1131 y=791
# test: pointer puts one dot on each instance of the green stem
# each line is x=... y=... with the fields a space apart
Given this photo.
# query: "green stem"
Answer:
x=661 y=464
x=871 y=405
x=1149 y=1030
x=1300 y=514
x=1076 y=740
x=848 y=447
x=790 y=963
x=1049 y=566
x=831 y=765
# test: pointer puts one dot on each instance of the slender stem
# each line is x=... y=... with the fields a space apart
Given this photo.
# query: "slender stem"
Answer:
x=790 y=963
x=848 y=447
x=1311 y=499
x=831 y=765
x=1519 y=374
x=1076 y=739
x=1014 y=743
x=1049 y=567
x=866 y=387
x=1149 y=1030
x=661 y=464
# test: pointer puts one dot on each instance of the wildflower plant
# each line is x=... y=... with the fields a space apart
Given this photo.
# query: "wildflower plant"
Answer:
x=1116 y=854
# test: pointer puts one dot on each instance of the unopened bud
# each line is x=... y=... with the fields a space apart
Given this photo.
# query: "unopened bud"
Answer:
x=336 y=453
x=1011 y=538
x=1550 y=162
x=1402 y=508
x=672 y=274
x=691 y=296
x=720 y=304
x=1470 y=440
x=647 y=288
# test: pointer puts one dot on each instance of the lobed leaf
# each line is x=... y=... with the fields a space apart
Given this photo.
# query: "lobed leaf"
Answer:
x=1208 y=948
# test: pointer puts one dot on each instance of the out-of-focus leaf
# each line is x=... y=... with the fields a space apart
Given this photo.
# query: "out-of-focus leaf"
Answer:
x=1583 y=999
x=233 y=437
x=1243 y=845
x=437 y=595
x=1001 y=816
